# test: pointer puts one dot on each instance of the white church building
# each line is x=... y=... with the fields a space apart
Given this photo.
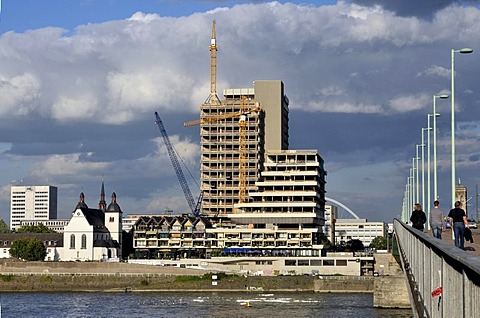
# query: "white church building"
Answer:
x=94 y=234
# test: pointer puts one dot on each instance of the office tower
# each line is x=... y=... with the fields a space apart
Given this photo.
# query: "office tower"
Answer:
x=32 y=203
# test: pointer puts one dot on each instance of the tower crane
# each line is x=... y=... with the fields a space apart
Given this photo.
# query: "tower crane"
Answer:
x=242 y=114
x=195 y=208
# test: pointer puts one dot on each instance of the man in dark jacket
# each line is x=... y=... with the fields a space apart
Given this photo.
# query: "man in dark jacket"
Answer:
x=418 y=217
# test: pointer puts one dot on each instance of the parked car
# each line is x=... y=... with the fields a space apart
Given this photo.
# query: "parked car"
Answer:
x=472 y=223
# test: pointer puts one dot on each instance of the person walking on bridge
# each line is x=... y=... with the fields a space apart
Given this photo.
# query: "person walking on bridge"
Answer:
x=418 y=217
x=435 y=218
x=458 y=219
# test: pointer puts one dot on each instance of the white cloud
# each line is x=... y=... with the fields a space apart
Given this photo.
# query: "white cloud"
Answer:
x=70 y=165
x=408 y=103
x=74 y=108
x=19 y=94
x=342 y=107
x=436 y=70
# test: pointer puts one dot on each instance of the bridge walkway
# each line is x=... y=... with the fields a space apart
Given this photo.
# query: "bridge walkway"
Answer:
x=444 y=281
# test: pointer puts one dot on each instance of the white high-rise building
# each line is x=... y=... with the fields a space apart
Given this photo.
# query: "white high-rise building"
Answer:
x=32 y=203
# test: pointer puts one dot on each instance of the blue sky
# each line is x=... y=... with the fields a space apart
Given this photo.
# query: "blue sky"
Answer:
x=23 y=15
x=80 y=81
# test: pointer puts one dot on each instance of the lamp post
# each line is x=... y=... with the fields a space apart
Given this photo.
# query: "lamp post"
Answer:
x=435 y=115
x=428 y=161
x=414 y=189
x=417 y=158
x=412 y=192
x=406 y=201
x=423 y=172
x=462 y=51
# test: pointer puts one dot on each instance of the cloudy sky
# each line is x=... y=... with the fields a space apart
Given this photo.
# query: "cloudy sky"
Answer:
x=80 y=81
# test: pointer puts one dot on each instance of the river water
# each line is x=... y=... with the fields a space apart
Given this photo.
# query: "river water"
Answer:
x=204 y=304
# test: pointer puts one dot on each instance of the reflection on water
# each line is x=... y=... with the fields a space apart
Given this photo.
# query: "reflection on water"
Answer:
x=220 y=304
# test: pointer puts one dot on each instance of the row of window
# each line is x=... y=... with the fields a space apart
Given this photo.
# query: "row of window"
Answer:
x=316 y=262
x=72 y=241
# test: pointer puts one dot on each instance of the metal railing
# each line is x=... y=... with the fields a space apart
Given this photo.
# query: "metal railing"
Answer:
x=431 y=264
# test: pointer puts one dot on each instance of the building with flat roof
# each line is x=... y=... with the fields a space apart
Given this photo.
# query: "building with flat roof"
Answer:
x=57 y=224
x=32 y=203
x=358 y=229
x=331 y=215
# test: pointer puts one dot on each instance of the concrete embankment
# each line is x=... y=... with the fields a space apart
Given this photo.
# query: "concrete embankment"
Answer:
x=389 y=291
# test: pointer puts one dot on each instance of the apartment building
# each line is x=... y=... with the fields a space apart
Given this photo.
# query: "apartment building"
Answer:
x=289 y=195
x=32 y=203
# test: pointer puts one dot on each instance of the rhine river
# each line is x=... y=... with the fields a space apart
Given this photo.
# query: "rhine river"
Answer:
x=203 y=304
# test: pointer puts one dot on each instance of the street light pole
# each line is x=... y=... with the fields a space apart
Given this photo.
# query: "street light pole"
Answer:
x=412 y=190
x=435 y=115
x=417 y=158
x=462 y=51
x=428 y=162
x=423 y=173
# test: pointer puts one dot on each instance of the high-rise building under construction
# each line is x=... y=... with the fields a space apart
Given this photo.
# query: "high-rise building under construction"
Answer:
x=248 y=174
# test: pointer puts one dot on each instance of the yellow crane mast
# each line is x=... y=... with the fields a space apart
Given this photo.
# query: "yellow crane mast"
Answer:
x=242 y=114
x=213 y=98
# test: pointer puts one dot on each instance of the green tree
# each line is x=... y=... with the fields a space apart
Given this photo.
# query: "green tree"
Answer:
x=4 y=227
x=380 y=243
x=127 y=244
x=354 y=245
x=40 y=228
x=29 y=249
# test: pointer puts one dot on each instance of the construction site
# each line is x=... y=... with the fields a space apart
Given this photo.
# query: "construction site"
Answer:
x=257 y=196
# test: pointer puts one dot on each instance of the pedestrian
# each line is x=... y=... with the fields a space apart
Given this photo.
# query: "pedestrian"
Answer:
x=458 y=220
x=435 y=218
x=418 y=217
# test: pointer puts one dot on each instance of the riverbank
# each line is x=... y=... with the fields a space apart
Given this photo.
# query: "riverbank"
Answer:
x=170 y=283
x=18 y=276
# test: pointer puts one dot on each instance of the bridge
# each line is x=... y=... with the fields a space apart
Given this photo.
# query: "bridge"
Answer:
x=443 y=280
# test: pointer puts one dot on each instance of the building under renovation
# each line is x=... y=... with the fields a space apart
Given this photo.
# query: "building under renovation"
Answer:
x=257 y=193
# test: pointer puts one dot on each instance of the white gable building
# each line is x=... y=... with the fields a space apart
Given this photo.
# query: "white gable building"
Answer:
x=94 y=234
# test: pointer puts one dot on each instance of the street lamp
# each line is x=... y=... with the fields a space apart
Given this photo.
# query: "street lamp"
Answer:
x=412 y=190
x=417 y=158
x=428 y=161
x=435 y=115
x=461 y=51
x=423 y=171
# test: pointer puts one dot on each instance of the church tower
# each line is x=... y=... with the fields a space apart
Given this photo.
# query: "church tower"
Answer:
x=461 y=195
x=113 y=221
x=81 y=203
x=102 y=204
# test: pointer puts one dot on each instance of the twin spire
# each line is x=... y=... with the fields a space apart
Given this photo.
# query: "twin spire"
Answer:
x=102 y=204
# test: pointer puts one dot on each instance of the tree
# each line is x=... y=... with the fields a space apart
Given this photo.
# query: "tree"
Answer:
x=127 y=244
x=4 y=227
x=40 y=228
x=379 y=243
x=354 y=245
x=29 y=249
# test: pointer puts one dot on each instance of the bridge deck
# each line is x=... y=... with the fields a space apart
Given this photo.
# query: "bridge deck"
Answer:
x=471 y=248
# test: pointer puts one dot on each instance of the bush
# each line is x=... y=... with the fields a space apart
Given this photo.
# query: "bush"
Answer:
x=29 y=249
x=6 y=278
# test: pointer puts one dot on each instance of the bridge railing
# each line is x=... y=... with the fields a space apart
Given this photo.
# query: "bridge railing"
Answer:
x=431 y=263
